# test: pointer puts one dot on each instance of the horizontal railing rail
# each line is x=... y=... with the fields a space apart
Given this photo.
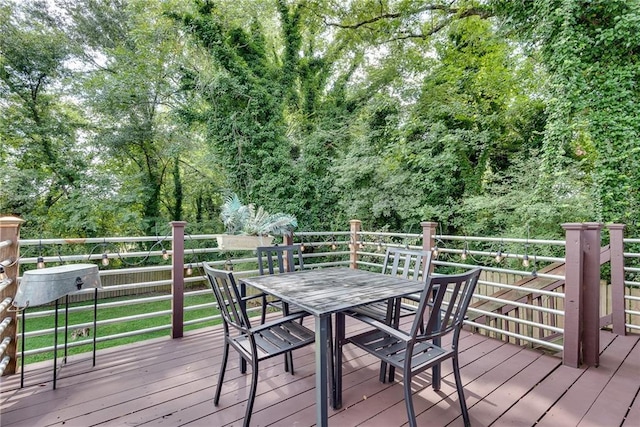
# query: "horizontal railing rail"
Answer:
x=631 y=285
x=521 y=313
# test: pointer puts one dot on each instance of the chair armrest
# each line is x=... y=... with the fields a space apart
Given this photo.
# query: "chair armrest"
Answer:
x=278 y=321
x=396 y=333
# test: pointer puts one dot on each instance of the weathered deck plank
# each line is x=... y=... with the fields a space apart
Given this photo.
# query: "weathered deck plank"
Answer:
x=581 y=395
x=617 y=396
x=168 y=382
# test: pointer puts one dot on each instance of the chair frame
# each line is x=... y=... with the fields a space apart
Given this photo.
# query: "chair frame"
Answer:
x=419 y=349
x=408 y=264
x=254 y=344
x=279 y=259
x=405 y=263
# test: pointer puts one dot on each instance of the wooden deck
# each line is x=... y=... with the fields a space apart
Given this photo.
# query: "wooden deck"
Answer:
x=171 y=383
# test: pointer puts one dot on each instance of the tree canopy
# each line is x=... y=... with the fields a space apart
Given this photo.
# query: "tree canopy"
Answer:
x=491 y=117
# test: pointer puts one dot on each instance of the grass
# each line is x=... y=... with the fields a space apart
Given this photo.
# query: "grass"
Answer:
x=78 y=318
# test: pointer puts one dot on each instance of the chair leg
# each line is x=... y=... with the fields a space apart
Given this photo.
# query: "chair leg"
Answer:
x=331 y=362
x=392 y=373
x=263 y=318
x=383 y=372
x=252 y=393
x=223 y=367
x=459 y=388
x=408 y=399
x=288 y=362
x=288 y=357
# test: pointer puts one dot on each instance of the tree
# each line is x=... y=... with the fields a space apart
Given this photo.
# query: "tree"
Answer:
x=244 y=106
x=132 y=88
x=41 y=164
x=473 y=114
x=592 y=52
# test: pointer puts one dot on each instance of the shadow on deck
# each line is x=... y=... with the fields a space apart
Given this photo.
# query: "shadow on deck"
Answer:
x=172 y=382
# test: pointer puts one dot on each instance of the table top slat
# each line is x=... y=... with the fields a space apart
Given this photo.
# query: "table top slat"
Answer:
x=330 y=290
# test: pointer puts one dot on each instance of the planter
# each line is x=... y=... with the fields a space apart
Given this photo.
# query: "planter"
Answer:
x=239 y=242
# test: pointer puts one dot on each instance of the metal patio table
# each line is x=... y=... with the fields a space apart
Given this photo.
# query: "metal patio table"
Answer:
x=326 y=291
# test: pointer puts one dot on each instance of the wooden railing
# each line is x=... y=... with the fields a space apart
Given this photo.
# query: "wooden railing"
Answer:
x=510 y=303
x=9 y=253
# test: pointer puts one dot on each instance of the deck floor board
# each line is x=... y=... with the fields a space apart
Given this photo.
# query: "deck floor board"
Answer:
x=165 y=382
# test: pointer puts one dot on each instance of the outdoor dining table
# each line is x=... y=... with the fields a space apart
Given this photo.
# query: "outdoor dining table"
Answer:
x=323 y=292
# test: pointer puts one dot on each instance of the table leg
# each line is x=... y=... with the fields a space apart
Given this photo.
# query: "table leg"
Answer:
x=95 y=323
x=322 y=329
x=55 y=345
x=243 y=306
x=393 y=318
x=337 y=374
x=435 y=370
x=24 y=324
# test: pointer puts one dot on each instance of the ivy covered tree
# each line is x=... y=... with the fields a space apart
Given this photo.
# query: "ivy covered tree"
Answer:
x=591 y=50
x=243 y=111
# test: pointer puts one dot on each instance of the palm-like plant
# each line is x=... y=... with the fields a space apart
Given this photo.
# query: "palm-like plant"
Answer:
x=246 y=219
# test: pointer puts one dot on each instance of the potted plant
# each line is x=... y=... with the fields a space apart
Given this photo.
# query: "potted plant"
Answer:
x=249 y=227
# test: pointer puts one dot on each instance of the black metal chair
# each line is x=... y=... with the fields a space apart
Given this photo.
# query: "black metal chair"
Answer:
x=254 y=344
x=280 y=259
x=441 y=311
x=406 y=263
x=276 y=260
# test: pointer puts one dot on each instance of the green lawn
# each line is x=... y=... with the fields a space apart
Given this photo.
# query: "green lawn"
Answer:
x=47 y=322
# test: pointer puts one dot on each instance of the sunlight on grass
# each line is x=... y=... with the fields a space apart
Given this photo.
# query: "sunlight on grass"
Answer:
x=81 y=334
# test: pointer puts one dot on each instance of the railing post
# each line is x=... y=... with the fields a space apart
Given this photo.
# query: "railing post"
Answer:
x=177 y=279
x=287 y=240
x=10 y=231
x=355 y=225
x=573 y=303
x=429 y=230
x=616 y=244
x=591 y=297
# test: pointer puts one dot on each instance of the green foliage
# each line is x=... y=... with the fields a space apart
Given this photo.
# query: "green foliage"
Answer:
x=472 y=116
x=119 y=116
x=247 y=219
x=41 y=162
x=591 y=50
x=512 y=205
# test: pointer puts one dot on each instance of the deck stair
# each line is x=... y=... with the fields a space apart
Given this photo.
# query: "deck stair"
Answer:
x=527 y=296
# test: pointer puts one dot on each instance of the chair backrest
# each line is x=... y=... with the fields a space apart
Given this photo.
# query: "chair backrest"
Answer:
x=443 y=305
x=407 y=263
x=228 y=298
x=279 y=259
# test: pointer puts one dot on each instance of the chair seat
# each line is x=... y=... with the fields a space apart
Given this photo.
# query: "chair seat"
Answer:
x=392 y=350
x=277 y=339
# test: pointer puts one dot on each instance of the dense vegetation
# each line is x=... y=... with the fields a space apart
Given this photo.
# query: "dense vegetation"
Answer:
x=491 y=117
